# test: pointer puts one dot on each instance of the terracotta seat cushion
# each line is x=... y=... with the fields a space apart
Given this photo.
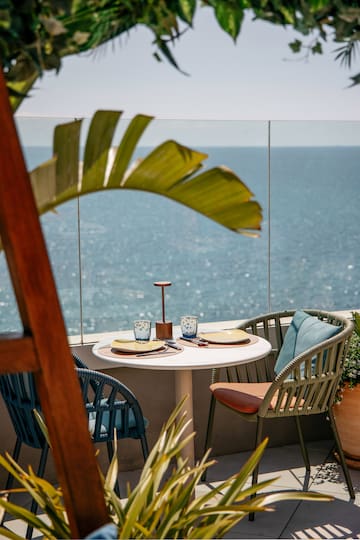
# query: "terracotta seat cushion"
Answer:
x=243 y=397
x=247 y=397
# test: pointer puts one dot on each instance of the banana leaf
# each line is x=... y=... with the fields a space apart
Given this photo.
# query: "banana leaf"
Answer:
x=170 y=170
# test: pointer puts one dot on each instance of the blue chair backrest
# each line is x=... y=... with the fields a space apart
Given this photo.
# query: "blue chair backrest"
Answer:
x=20 y=396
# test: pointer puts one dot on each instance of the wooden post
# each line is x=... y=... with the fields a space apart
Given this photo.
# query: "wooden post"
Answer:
x=40 y=311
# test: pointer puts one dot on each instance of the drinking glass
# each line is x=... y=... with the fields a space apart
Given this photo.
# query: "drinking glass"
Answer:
x=189 y=325
x=142 y=330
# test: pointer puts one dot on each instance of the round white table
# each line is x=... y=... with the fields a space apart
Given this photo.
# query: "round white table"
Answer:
x=184 y=362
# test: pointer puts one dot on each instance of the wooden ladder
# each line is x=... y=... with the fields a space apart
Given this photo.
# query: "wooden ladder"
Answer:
x=43 y=347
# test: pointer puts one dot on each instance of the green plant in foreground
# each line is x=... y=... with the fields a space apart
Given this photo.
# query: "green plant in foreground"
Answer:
x=351 y=373
x=163 y=504
x=356 y=319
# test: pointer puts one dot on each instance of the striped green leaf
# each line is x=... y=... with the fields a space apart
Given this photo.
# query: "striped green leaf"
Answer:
x=164 y=503
x=97 y=147
x=170 y=170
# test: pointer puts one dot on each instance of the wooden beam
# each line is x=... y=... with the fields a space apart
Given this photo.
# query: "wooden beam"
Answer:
x=17 y=353
x=40 y=311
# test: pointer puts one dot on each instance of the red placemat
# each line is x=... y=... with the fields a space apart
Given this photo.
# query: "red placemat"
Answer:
x=252 y=339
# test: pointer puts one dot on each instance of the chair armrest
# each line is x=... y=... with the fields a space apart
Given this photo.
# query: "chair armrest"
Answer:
x=78 y=362
x=106 y=381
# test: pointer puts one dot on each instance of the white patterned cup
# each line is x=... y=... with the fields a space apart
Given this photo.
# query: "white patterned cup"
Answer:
x=189 y=324
x=142 y=330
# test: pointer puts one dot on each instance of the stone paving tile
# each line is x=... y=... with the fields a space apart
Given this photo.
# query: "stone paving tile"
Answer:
x=330 y=479
x=305 y=519
x=266 y=524
x=337 y=519
x=274 y=460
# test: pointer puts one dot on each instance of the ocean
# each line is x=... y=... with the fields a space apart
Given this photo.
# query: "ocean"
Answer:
x=307 y=254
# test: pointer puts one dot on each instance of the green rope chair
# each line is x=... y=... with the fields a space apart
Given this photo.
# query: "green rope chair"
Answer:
x=307 y=385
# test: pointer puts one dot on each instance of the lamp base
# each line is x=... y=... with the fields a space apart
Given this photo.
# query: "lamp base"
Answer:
x=164 y=329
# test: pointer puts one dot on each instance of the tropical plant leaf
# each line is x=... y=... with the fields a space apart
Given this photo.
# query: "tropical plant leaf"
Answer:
x=229 y=16
x=40 y=420
x=126 y=148
x=356 y=319
x=19 y=512
x=48 y=497
x=35 y=39
x=113 y=470
x=295 y=46
x=43 y=180
x=6 y=533
x=346 y=53
x=169 y=170
x=187 y=10
x=19 y=89
x=101 y=133
x=355 y=80
x=66 y=152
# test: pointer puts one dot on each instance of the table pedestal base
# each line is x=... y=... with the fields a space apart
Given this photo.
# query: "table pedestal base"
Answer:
x=183 y=386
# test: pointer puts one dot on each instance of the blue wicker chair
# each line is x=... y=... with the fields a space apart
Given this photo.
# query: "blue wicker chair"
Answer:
x=109 y=405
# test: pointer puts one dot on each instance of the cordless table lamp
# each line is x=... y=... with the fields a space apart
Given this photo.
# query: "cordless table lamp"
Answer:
x=163 y=328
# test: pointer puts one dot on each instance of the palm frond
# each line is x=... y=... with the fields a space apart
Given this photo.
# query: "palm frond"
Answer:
x=347 y=53
x=169 y=170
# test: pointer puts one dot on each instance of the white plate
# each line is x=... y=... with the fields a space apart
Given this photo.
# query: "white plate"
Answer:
x=136 y=347
x=232 y=336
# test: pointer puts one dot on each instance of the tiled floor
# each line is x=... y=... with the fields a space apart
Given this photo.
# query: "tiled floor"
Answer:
x=338 y=519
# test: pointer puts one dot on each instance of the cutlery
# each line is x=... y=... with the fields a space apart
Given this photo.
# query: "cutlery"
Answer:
x=172 y=343
x=197 y=341
x=153 y=353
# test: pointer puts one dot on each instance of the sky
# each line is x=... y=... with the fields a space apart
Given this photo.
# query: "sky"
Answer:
x=258 y=79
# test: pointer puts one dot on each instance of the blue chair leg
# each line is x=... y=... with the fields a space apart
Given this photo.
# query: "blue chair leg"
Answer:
x=15 y=456
x=144 y=447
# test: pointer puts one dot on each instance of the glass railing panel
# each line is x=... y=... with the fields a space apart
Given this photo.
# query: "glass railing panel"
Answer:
x=314 y=215
x=60 y=228
x=9 y=313
x=131 y=239
x=36 y=139
x=61 y=235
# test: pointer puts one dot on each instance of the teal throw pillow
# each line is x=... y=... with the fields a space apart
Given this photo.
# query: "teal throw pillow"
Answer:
x=303 y=333
x=105 y=420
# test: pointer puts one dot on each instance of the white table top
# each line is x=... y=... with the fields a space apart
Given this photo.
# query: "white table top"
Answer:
x=190 y=358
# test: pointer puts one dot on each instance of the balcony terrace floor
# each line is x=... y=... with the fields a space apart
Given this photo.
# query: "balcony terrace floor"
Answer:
x=338 y=519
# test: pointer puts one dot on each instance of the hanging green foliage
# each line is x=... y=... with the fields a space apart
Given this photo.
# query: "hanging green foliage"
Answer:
x=35 y=35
